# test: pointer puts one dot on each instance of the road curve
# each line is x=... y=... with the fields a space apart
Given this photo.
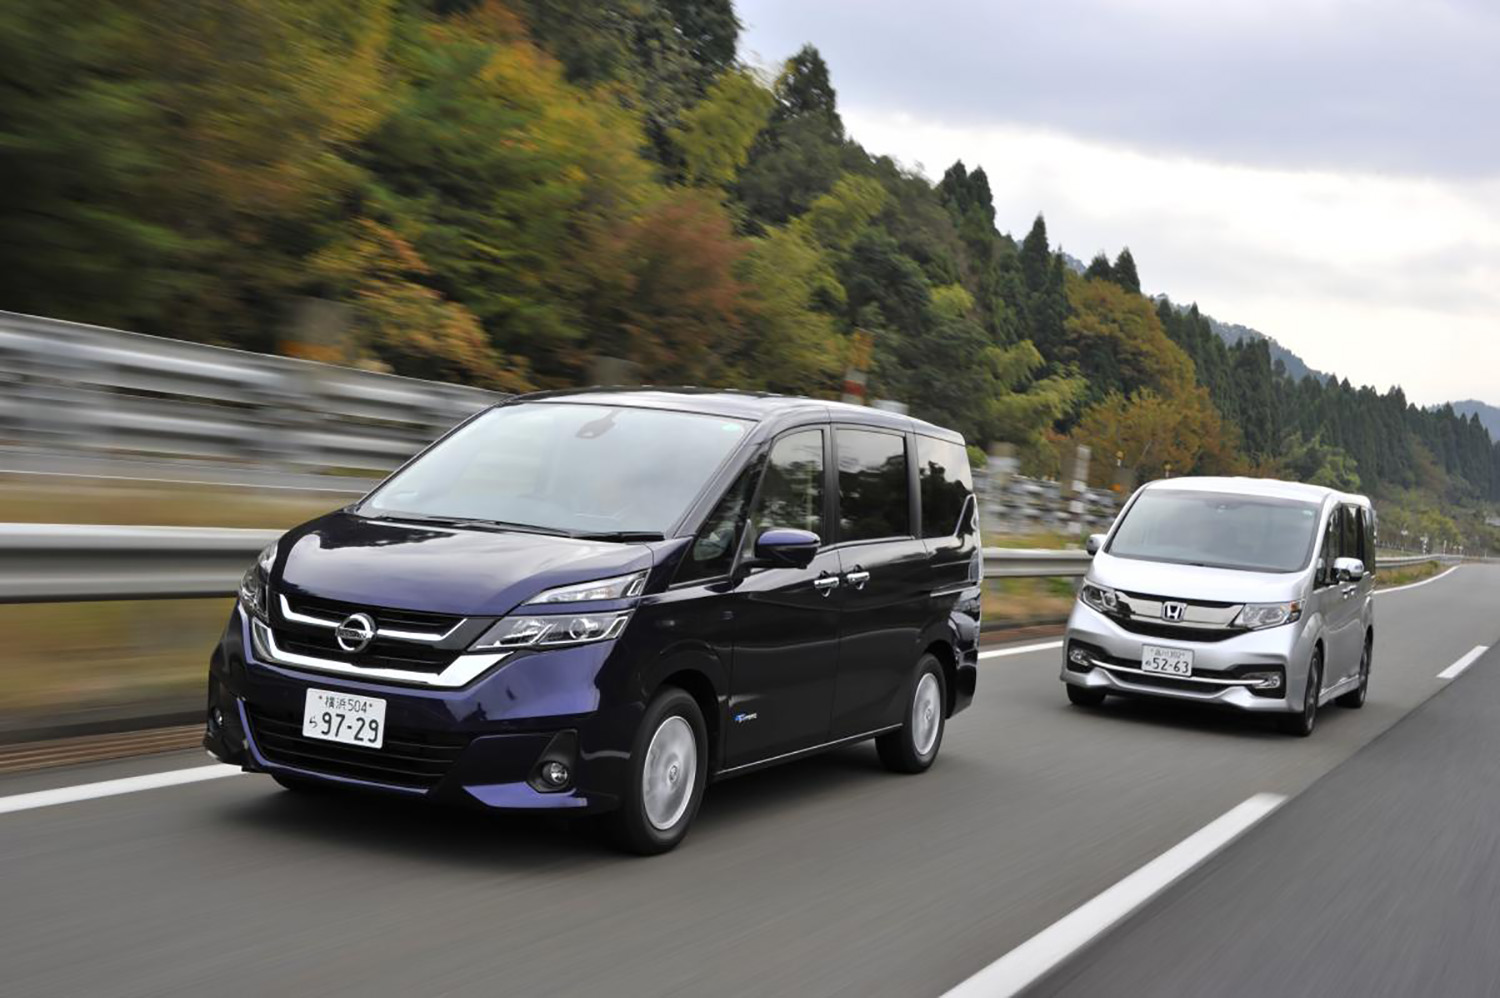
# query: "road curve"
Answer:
x=826 y=877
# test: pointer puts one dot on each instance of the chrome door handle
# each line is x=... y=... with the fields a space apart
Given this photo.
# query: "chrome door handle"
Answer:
x=826 y=584
x=1349 y=591
x=858 y=578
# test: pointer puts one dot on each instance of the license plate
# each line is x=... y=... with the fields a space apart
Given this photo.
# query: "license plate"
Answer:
x=344 y=717
x=1166 y=661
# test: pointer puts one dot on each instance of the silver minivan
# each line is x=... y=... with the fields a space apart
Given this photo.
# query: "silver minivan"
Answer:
x=1244 y=593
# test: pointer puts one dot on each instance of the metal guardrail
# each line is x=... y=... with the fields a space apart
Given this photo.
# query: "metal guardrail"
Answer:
x=57 y=562
x=85 y=392
x=49 y=562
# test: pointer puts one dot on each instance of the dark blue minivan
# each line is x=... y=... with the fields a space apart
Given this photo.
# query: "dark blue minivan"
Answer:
x=598 y=601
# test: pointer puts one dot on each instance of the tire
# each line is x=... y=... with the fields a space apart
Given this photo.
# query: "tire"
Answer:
x=301 y=784
x=1355 y=698
x=1302 y=722
x=914 y=746
x=668 y=771
x=1082 y=696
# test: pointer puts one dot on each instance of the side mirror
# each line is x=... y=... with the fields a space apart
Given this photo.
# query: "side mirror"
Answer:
x=785 y=547
x=968 y=520
x=1093 y=544
x=1348 y=569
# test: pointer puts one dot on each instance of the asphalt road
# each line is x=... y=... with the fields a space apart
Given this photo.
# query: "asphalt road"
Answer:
x=1383 y=878
x=826 y=877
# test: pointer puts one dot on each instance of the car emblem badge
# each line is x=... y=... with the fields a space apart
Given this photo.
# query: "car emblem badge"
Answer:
x=355 y=633
x=1173 y=611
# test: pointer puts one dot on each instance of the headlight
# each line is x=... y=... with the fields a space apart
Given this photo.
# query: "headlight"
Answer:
x=550 y=632
x=1254 y=616
x=254 y=594
x=618 y=587
x=1101 y=599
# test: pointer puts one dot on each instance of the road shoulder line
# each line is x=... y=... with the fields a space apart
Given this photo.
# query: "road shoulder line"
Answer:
x=113 y=788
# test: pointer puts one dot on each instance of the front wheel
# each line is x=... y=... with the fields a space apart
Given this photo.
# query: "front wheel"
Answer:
x=1303 y=721
x=668 y=771
x=912 y=747
x=1082 y=696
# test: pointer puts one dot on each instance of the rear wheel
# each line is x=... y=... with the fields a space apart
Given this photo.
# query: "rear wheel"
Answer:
x=912 y=747
x=1082 y=696
x=1303 y=721
x=669 y=768
x=1355 y=698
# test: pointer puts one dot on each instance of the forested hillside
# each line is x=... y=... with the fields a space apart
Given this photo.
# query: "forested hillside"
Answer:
x=503 y=191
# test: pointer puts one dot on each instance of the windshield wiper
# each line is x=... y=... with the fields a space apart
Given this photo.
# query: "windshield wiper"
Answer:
x=472 y=522
x=623 y=536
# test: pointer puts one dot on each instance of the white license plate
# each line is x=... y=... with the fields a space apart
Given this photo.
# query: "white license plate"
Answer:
x=344 y=717
x=1167 y=661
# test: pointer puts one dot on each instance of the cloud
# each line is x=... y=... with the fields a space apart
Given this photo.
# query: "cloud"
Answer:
x=1374 y=86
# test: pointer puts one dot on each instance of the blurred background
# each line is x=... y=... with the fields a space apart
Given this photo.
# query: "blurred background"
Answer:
x=254 y=253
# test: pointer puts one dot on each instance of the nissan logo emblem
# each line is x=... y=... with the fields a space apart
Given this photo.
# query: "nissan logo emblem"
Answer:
x=355 y=633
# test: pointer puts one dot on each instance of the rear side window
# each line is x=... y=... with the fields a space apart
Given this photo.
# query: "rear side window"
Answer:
x=1367 y=519
x=791 y=494
x=946 y=484
x=874 y=492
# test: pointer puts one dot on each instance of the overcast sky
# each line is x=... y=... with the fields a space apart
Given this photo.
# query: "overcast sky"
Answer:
x=1326 y=171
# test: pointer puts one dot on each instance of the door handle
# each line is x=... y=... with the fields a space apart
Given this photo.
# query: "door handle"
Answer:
x=826 y=584
x=857 y=578
x=1349 y=591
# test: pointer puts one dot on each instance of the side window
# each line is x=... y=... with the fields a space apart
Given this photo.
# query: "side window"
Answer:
x=1367 y=518
x=1332 y=538
x=874 y=493
x=791 y=493
x=1352 y=534
x=946 y=484
x=713 y=550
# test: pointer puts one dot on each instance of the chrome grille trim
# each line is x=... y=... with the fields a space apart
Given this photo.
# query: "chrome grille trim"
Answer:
x=464 y=669
x=429 y=637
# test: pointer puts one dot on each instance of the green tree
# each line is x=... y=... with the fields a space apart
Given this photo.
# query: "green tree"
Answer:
x=1124 y=272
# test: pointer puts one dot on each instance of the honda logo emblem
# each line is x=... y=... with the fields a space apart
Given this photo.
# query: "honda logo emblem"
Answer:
x=1173 y=611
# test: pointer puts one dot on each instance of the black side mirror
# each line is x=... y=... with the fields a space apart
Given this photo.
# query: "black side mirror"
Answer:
x=784 y=547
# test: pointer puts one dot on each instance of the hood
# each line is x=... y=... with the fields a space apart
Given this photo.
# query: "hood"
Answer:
x=453 y=570
x=1190 y=582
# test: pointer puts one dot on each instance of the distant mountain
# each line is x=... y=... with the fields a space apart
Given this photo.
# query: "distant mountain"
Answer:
x=1232 y=333
x=1489 y=415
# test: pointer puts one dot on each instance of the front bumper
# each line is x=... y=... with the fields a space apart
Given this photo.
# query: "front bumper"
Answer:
x=479 y=745
x=1219 y=667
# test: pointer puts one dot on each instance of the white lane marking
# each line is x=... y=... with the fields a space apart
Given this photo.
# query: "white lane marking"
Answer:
x=1043 y=952
x=1413 y=585
x=1453 y=670
x=112 y=788
x=1020 y=649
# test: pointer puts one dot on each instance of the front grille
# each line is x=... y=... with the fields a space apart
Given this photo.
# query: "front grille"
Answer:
x=400 y=620
x=408 y=758
x=381 y=654
x=1138 y=625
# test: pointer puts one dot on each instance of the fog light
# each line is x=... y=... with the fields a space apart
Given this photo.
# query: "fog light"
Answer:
x=555 y=774
x=1078 y=656
x=1265 y=680
x=215 y=719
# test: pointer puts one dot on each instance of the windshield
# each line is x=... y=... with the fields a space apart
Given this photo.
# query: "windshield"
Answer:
x=1218 y=530
x=566 y=468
